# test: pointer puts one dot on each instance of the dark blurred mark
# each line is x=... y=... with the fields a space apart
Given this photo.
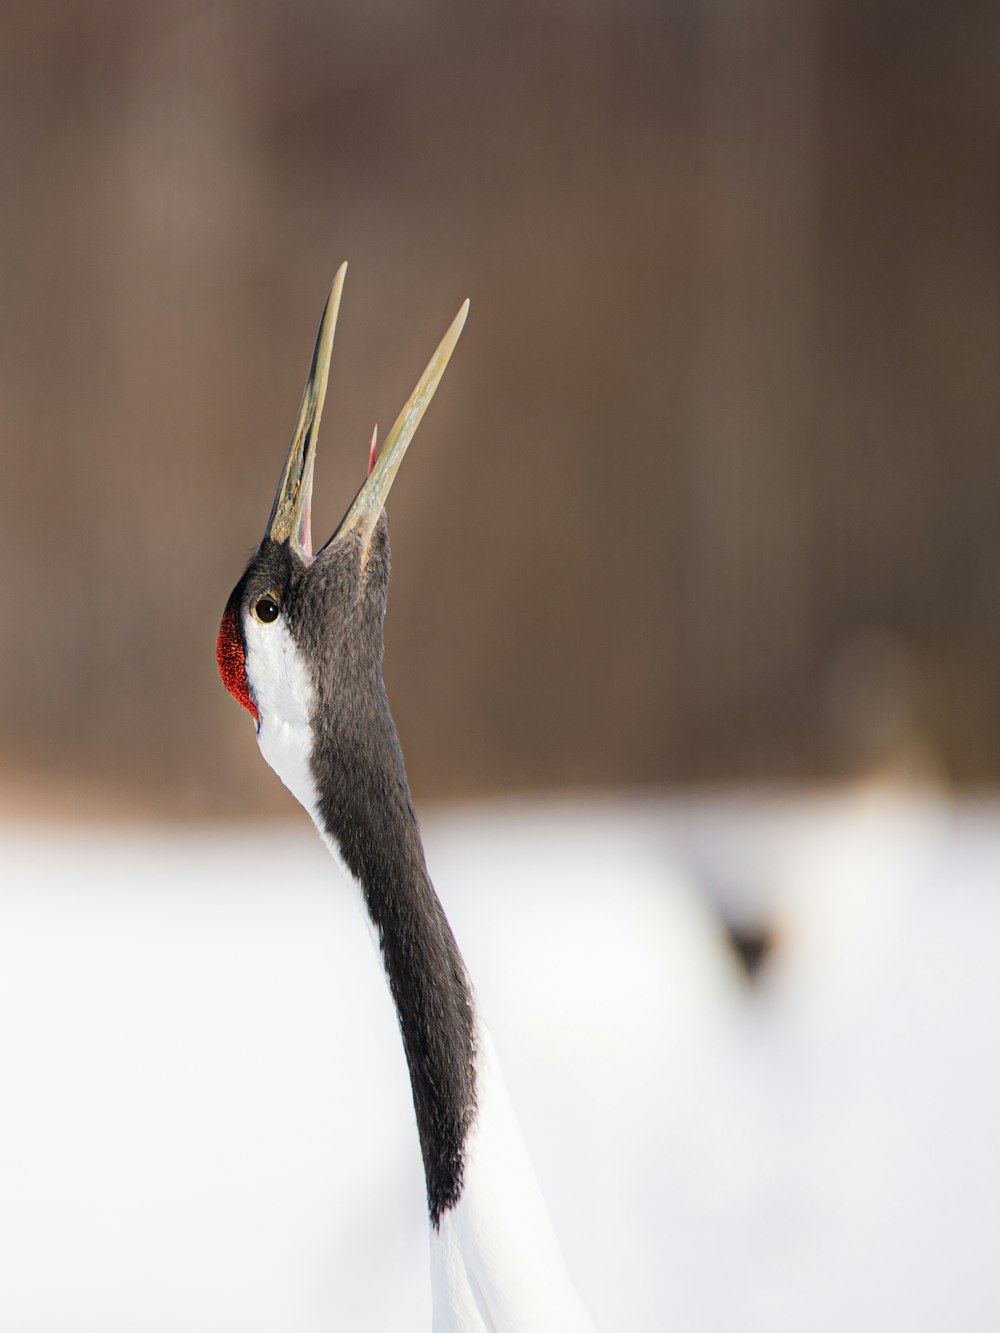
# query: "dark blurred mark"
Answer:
x=751 y=946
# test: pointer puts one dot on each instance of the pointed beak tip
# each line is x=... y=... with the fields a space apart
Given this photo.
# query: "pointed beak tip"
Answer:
x=290 y=517
x=368 y=504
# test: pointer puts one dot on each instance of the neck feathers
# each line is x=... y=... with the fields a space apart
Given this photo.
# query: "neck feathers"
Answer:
x=364 y=805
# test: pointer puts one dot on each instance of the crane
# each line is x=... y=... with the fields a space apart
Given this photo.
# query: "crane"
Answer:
x=300 y=647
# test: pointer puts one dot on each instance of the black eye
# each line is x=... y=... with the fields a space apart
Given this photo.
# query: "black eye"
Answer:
x=266 y=609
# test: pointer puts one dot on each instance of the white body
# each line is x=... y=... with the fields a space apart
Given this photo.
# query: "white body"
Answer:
x=496 y=1265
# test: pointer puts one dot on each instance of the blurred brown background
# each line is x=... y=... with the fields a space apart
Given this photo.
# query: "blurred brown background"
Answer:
x=711 y=491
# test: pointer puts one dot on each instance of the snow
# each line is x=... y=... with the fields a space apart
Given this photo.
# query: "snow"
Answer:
x=205 y=1119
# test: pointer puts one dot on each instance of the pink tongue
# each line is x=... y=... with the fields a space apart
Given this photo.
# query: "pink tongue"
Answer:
x=372 y=451
x=304 y=537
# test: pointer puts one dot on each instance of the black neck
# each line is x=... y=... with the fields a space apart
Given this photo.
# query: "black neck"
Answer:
x=365 y=805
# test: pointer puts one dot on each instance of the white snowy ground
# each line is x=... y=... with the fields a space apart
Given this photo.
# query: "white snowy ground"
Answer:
x=205 y=1120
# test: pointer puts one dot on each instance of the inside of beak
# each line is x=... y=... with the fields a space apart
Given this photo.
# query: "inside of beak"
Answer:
x=291 y=512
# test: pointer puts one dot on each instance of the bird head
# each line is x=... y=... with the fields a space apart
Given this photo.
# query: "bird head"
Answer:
x=302 y=630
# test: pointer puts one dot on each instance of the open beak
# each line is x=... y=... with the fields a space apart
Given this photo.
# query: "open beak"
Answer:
x=290 y=515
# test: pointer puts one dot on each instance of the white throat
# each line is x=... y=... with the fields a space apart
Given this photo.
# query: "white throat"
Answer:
x=285 y=695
